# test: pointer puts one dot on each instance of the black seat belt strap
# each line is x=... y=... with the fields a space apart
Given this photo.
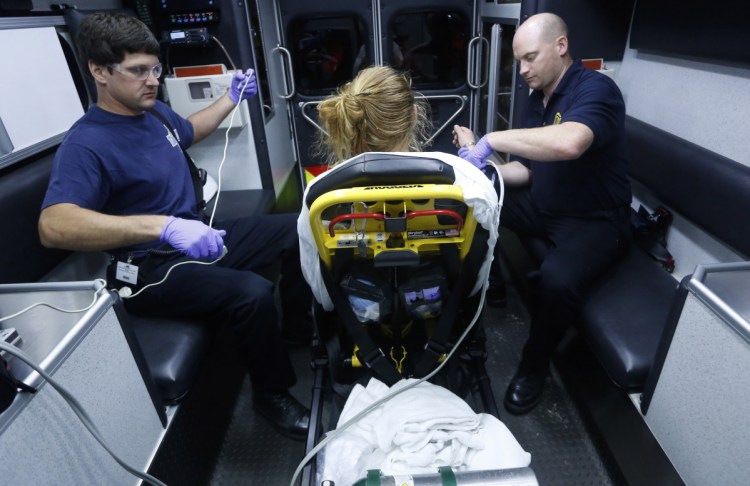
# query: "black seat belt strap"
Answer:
x=197 y=175
x=369 y=354
x=437 y=344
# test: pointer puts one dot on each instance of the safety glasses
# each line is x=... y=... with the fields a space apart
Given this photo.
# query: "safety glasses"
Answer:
x=138 y=73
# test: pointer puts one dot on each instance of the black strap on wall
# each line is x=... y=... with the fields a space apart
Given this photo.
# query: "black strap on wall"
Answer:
x=197 y=175
x=650 y=233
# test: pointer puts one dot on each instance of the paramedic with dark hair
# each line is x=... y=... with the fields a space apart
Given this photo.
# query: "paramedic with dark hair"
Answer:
x=567 y=182
x=121 y=183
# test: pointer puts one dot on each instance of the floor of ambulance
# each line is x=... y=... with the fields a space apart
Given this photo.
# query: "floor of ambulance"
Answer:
x=562 y=451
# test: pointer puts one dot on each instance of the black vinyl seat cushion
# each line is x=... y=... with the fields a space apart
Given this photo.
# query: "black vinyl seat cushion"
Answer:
x=173 y=350
x=624 y=317
x=624 y=313
x=22 y=256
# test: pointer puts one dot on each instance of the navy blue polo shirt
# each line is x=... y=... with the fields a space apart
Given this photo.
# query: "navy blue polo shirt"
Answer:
x=597 y=181
x=124 y=165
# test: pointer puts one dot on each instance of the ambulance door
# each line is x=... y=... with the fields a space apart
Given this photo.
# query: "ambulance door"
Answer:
x=326 y=44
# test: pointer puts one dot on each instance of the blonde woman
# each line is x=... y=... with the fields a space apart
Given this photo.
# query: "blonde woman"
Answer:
x=375 y=112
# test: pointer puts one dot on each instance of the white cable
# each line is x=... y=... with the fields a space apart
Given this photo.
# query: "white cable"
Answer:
x=392 y=394
x=224 y=156
x=69 y=311
x=125 y=295
x=80 y=412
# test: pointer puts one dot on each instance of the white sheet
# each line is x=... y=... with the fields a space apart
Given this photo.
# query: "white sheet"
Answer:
x=416 y=432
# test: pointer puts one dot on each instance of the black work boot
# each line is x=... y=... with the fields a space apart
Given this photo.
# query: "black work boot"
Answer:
x=286 y=414
x=524 y=391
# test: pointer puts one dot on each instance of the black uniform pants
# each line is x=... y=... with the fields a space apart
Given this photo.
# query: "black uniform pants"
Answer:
x=580 y=249
x=231 y=292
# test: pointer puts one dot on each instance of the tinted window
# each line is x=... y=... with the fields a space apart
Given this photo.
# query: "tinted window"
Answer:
x=327 y=52
x=431 y=45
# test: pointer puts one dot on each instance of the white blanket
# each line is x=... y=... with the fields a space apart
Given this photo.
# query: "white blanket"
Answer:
x=479 y=194
x=416 y=432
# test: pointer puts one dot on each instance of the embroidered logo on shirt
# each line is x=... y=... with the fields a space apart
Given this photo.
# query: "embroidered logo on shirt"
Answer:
x=558 y=118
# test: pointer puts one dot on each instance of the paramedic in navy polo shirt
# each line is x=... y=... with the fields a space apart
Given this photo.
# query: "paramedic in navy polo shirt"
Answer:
x=567 y=181
x=120 y=183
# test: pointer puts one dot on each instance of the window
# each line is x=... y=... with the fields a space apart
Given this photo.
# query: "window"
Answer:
x=327 y=52
x=431 y=45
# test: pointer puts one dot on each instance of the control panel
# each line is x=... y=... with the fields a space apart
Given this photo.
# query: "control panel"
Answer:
x=185 y=19
x=193 y=37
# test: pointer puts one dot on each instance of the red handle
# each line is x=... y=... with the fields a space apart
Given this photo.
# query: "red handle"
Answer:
x=413 y=214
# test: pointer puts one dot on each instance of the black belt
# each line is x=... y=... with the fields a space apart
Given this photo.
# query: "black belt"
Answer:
x=138 y=256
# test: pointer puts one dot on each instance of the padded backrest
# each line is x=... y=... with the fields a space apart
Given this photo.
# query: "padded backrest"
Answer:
x=73 y=18
x=709 y=189
x=376 y=169
x=22 y=189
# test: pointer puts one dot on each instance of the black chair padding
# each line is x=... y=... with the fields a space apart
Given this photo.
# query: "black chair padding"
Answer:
x=626 y=313
x=624 y=316
x=375 y=169
x=708 y=189
x=173 y=350
x=73 y=18
x=22 y=257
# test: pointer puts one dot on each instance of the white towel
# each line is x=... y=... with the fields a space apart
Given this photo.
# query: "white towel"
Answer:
x=416 y=432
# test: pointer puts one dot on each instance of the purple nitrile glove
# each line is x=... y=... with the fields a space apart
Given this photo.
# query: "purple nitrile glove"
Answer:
x=243 y=86
x=193 y=238
x=477 y=155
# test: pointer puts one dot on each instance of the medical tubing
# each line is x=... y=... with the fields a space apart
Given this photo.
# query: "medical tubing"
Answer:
x=80 y=412
x=229 y=58
x=224 y=156
x=153 y=284
x=68 y=311
x=384 y=399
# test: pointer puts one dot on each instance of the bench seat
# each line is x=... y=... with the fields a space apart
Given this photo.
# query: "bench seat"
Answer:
x=173 y=350
x=624 y=316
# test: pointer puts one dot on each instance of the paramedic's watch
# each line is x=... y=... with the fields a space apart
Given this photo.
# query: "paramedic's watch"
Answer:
x=478 y=154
